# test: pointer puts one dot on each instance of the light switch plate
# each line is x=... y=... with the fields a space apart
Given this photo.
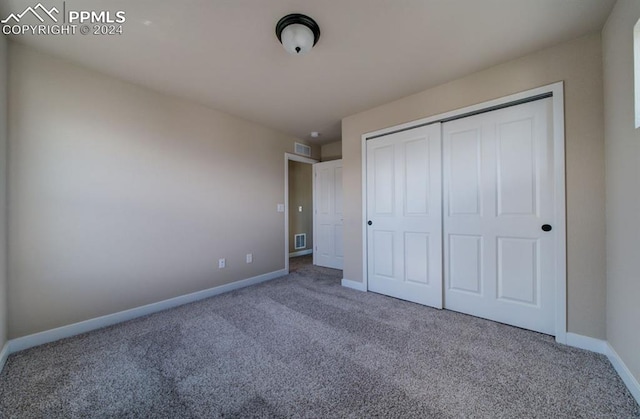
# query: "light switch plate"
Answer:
x=280 y=207
x=222 y=263
x=300 y=208
x=249 y=257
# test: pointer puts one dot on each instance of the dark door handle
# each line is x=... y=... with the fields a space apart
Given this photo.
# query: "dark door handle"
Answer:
x=546 y=227
x=369 y=222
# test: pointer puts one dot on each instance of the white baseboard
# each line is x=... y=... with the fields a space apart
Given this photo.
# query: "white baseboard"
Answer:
x=25 y=342
x=586 y=342
x=4 y=354
x=603 y=347
x=623 y=371
x=358 y=286
x=301 y=253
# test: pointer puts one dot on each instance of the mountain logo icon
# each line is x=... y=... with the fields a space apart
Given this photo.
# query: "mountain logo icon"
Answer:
x=34 y=11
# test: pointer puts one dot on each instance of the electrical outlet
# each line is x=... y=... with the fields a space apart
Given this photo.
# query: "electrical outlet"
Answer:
x=249 y=257
x=222 y=263
x=280 y=208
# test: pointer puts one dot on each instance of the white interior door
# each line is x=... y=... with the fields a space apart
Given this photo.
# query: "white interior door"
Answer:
x=404 y=215
x=327 y=220
x=498 y=194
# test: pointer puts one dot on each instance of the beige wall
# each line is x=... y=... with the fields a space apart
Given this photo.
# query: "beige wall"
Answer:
x=579 y=64
x=120 y=196
x=3 y=190
x=331 y=151
x=622 y=142
x=300 y=194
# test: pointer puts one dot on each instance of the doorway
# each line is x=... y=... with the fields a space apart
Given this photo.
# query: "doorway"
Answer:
x=298 y=206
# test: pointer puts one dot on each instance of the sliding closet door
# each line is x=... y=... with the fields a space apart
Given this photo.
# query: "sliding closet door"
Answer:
x=404 y=216
x=498 y=216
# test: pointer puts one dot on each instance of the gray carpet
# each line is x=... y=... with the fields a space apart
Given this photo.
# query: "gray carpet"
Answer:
x=303 y=346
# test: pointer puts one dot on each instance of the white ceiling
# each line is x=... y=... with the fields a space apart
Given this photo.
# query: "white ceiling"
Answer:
x=224 y=53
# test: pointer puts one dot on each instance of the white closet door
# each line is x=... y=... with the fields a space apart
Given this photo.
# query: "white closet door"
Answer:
x=328 y=217
x=404 y=217
x=498 y=194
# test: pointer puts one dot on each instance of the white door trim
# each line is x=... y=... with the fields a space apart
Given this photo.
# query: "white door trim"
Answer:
x=557 y=91
x=287 y=157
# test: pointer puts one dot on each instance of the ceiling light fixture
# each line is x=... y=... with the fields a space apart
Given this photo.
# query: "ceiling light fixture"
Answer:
x=315 y=134
x=297 y=33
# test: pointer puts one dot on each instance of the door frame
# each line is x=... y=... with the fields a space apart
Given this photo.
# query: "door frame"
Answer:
x=556 y=92
x=292 y=157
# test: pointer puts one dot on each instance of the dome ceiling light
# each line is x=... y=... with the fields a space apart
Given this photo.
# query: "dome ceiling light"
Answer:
x=297 y=33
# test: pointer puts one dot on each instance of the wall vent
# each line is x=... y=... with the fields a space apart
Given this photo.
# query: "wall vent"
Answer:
x=303 y=150
x=301 y=241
